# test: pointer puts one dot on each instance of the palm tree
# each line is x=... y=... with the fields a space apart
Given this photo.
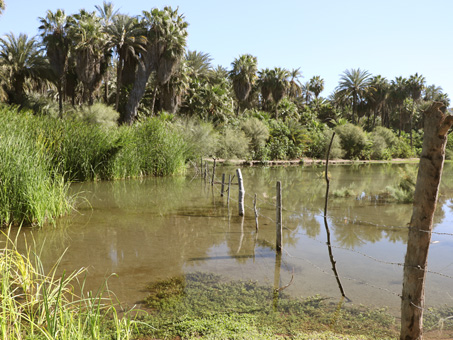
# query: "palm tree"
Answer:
x=377 y=98
x=295 y=87
x=89 y=47
x=415 y=86
x=21 y=60
x=55 y=37
x=199 y=63
x=316 y=85
x=353 y=86
x=107 y=13
x=265 y=85
x=2 y=6
x=243 y=76
x=306 y=92
x=398 y=93
x=166 y=33
x=279 y=79
x=127 y=39
x=435 y=93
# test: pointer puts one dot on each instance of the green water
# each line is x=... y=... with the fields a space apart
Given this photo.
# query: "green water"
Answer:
x=152 y=229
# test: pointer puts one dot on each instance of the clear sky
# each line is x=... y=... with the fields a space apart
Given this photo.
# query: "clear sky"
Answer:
x=322 y=37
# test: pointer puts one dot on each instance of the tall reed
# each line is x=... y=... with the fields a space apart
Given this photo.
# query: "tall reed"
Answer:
x=31 y=191
x=39 y=305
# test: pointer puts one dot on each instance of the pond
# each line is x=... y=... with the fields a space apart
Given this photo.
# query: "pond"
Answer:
x=156 y=228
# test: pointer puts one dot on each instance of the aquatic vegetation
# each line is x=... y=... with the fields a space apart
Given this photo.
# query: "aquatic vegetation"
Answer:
x=207 y=306
x=403 y=192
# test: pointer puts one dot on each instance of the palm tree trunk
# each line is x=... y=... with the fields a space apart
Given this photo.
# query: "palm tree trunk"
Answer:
x=138 y=90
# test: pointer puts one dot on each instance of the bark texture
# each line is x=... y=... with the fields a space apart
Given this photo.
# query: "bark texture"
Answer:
x=436 y=128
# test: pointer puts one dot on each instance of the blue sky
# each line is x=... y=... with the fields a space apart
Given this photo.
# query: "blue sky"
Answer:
x=322 y=37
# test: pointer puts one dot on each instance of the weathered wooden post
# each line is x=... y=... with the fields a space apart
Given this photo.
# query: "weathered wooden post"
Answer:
x=256 y=213
x=429 y=175
x=201 y=166
x=205 y=171
x=241 y=192
x=213 y=173
x=279 y=217
x=222 y=189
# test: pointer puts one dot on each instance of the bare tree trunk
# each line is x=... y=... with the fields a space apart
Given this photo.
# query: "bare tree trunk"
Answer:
x=436 y=127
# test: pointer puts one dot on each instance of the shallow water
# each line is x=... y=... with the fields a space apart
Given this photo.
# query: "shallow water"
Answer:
x=156 y=228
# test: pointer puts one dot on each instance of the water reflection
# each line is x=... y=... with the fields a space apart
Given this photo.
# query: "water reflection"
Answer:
x=152 y=229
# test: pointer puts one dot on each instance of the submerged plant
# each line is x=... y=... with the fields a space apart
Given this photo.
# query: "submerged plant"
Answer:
x=403 y=192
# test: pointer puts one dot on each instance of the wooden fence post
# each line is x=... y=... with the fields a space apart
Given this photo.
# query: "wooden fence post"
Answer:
x=429 y=175
x=279 y=217
x=241 y=192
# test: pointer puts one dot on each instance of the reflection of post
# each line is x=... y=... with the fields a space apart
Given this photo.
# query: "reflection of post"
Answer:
x=213 y=173
x=278 y=265
x=256 y=213
x=242 y=236
x=222 y=189
x=241 y=192
x=205 y=171
x=279 y=217
x=229 y=189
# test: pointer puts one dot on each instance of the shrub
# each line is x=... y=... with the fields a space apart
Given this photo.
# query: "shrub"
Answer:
x=353 y=140
x=233 y=144
x=336 y=151
x=99 y=114
x=288 y=140
x=200 y=137
x=258 y=133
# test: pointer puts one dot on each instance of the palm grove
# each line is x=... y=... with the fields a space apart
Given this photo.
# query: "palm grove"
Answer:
x=135 y=67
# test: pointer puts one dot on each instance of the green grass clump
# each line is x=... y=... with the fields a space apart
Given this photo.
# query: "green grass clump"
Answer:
x=205 y=306
x=149 y=147
x=39 y=305
x=31 y=191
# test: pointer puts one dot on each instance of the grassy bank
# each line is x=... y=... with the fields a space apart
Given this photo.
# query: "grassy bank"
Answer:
x=40 y=155
x=41 y=305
